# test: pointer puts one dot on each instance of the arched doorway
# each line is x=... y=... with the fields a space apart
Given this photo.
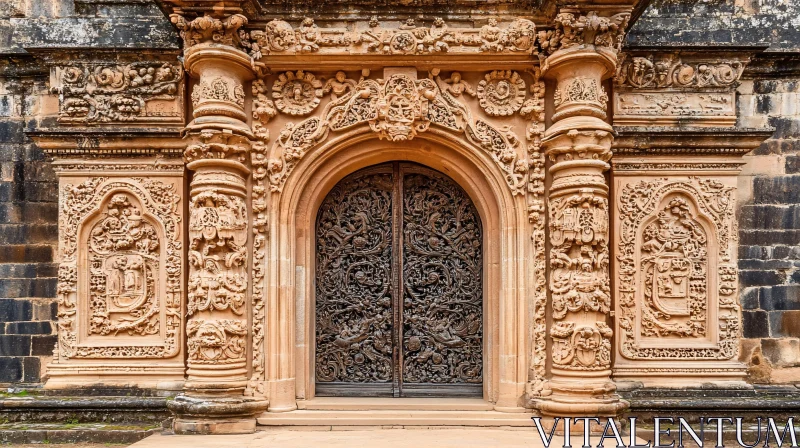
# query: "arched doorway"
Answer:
x=398 y=286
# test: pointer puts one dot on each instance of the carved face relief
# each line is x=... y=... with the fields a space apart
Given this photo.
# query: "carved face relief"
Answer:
x=501 y=93
x=219 y=341
x=297 y=93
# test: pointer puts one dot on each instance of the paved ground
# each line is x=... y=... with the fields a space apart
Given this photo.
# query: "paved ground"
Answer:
x=355 y=438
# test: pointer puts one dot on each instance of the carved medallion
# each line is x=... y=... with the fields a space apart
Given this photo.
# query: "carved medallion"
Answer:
x=501 y=93
x=297 y=93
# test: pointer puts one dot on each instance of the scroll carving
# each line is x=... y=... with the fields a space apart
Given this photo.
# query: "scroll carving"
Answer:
x=533 y=110
x=398 y=109
x=279 y=37
x=443 y=291
x=263 y=110
x=133 y=283
x=219 y=89
x=354 y=262
x=671 y=71
x=581 y=90
x=139 y=92
x=672 y=261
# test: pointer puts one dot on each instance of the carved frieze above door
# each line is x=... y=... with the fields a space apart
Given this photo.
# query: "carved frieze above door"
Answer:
x=399 y=299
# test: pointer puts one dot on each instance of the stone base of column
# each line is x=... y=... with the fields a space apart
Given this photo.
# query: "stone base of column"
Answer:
x=215 y=415
x=576 y=397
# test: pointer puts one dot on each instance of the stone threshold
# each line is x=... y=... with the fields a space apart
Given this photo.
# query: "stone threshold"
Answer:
x=377 y=412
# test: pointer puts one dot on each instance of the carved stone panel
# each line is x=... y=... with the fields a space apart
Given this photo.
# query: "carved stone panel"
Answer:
x=128 y=93
x=672 y=89
x=675 y=279
x=120 y=282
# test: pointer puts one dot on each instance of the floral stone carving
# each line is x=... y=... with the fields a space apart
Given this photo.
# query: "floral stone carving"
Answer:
x=139 y=92
x=671 y=71
x=674 y=236
x=397 y=109
x=501 y=93
x=124 y=270
x=297 y=93
x=129 y=231
x=280 y=37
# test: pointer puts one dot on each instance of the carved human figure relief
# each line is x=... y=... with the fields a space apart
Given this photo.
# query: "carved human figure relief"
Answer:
x=579 y=280
x=120 y=271
x=124 y=265
x=398 y=109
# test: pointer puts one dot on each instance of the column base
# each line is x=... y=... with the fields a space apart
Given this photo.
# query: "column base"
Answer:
x=580 y=399
x=215 y=415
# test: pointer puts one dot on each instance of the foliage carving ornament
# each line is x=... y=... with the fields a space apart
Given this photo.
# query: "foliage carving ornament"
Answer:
x=280 y=37
x=671 y=71
x=117 y=93
x=663 y=247
x=133 y=229
x=397 y=109
x=208 y=29
x=572 y=29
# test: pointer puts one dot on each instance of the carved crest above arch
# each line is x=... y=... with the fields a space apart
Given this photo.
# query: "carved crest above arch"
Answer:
x=399 y=109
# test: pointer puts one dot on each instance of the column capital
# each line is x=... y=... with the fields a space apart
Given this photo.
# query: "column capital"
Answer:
x=582 y=35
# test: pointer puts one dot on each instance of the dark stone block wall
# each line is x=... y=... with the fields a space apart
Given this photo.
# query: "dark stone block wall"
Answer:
x=769 y=232
x=28 y=239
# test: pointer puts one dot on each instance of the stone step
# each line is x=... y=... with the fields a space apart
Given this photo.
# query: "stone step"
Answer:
x=376 y=404
x=83 y=409
x=396 y=417
x=29 y=433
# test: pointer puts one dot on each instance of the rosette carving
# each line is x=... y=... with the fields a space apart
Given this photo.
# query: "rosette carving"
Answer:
x=501 y=93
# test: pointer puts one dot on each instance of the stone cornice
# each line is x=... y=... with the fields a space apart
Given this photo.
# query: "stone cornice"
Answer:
x=648 y=140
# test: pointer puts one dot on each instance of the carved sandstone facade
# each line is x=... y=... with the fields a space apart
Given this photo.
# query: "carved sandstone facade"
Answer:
x=591 y=255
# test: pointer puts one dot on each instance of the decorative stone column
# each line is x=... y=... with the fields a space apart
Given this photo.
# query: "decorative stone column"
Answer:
x=217 y=309
x=582 y=53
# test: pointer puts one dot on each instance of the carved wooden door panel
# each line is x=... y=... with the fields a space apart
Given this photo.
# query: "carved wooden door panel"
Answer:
x=399 y=258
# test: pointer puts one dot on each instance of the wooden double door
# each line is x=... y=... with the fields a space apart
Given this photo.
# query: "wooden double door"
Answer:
x=399 y=288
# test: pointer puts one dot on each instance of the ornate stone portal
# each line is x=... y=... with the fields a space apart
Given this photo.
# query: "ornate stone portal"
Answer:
x=589 y=276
